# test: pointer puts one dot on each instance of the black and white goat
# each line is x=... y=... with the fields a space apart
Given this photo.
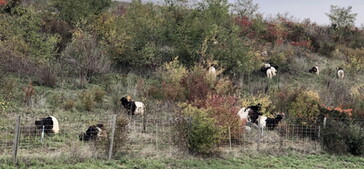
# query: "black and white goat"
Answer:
x=93 y=132
x=250 y=115
x=270 y=123
x=132 y=107
x=48 y=125
x=314 y=70
x=340 y=73
x=269 y=70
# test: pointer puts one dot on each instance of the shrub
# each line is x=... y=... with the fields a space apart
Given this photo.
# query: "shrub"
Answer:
x=84 y=57
x=196 y=130
x=56 y=99
x=69 y=104
x=121 y=133
x=342 y=138
x=196 y=86
x=98 y=94
x=283 y=98
x=224 y=110
x=305 y=106
x=224 y=86
x=9 y=86
x=171 y=74
x=47 y=76
x=87 y=100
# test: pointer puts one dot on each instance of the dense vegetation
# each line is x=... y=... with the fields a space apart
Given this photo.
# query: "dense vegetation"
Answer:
x=80 y=57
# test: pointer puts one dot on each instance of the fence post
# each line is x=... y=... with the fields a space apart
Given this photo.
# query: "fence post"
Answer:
x=156 y=135
x=112 y=136
x=229 y=137
x=189 y=133
x=144 y=126
x=259 y=135
x=16 y=139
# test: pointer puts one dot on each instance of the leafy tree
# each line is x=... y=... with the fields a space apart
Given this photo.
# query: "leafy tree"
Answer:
x=85 y=57
x=245 y=8
x=76 y=11
x=341 y=17
x=135 y=38
x=25 y=38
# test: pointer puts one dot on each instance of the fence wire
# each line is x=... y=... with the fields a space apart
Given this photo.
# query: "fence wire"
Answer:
x=153 y=136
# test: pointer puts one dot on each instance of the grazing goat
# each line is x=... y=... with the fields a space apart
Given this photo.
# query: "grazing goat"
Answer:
x=211 y=74
x=264 y=68
x=250 y=113
x=132 y=107
x=50 y=125
x=262 y=122
x=273 y=71
x=340 y=73
x=272 y=123
x=314 y=70
x=93 y=132
x=268 y=70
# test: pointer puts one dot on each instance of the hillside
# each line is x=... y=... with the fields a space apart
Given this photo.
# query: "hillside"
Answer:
x=75 y=60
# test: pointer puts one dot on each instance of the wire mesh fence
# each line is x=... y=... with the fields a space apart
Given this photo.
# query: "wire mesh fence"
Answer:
x=157 y=136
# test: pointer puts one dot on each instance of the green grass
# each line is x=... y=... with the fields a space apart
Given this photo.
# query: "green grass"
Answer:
x=256 y=161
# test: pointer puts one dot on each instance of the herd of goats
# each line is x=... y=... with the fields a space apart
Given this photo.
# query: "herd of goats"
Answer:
x=251 y=114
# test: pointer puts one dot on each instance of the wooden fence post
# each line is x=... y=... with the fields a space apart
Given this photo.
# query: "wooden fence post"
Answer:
x=112 y=136
x=16 y=139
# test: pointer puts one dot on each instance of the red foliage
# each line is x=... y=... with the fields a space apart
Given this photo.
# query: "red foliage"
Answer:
x=247 y=26
x=339 y=109
x=273 y=34
x=3 y=2
x=196 y=88
x=225 y=110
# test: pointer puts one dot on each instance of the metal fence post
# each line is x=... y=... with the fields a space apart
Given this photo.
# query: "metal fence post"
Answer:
x=112 y=136
x=16 y=139
x=144 y=125
x=229 y=137
x=259 y=137
x=156 y=135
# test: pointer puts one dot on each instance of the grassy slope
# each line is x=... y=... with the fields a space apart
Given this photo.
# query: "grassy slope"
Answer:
x=286 y=161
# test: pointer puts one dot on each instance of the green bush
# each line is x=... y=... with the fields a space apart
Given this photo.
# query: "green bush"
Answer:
x=343 y=137
x=121 y=133
x=69 y=104
x=87 y=100
x=305 y=106
x=98 y=94
x=197 y=130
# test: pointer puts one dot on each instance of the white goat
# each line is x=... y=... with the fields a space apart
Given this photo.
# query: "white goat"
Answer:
x=340 y=73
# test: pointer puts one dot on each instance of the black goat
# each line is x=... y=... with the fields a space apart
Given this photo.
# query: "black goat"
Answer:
x=272 y=123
